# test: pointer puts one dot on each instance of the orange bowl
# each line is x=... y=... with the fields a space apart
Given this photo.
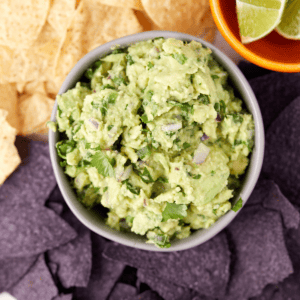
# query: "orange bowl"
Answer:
x=272 y=52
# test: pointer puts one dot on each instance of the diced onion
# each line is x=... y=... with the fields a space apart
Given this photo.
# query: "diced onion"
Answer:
x=204 y=137
x=171 y=127
x=123 y=174
x=94 y=123
x=201 y=154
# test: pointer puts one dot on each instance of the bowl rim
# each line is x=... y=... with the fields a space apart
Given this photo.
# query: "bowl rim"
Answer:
x=254 y=167
x=243 y=50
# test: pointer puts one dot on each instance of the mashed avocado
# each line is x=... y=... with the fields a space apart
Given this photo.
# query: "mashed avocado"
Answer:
x=155 y=134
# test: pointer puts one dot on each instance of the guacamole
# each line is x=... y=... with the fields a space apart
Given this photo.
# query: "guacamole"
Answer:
x=155 y=134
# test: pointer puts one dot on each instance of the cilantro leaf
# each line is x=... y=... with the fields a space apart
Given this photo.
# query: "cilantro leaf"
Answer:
x=181 y=58
x=101 y=162
x=204 y=99
x=215 y=77
x=65 y=147
x=129 y=59
x=237 y=118
x=186 y=145
x=144 y=118
x=174 y=211
x=108 y=86
x=133 y=189
x=146 y=176
x=109 y=127
x=162 y=180
x=197 y=176
x=150 y=65
x=145 y=151
x=238 y=205
x=112 y=98
x=105 y=189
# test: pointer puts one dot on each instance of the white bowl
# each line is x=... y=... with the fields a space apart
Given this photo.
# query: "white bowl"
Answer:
x=92 y=218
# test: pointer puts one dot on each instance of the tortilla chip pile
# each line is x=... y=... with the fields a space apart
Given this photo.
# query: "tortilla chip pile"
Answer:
x=42 y=40
x=46 y=253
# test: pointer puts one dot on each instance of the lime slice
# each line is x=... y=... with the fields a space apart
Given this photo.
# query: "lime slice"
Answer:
x=257 y=18
x=289 y=26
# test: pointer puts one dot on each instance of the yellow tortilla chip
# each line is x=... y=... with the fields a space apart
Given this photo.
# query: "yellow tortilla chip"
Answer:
x=176 y=15
x=21 y=21
x=60 y=15
x=9 y=102
x=135 y=4
x=206 y=29
x=35 y=111
x=33 y=87
x=9 y=156
x=36 y=63
x=93 y=24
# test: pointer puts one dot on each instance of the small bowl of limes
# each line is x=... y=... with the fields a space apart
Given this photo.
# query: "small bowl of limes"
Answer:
x=267 y=33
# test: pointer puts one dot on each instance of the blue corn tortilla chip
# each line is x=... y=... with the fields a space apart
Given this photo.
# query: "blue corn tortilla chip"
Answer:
x=56 y=207
x=12 y=269
x=147 y=295
x=268 y=195
x=194 y=268
x=165 y=289
x=282 y=159
x=122 y=290
x=37 y=284
x=53 y=267
x=260 y=254
x=74 y=259
x=56 y=196
x=26 y=231
x=105 y=274
x=274 y=92
x=276 y=201
x=33 y=181
x=260 y=192
x=64 y=297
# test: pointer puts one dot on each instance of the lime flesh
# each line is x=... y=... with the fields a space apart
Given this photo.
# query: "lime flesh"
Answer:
x=257 y=18
x=289 y=26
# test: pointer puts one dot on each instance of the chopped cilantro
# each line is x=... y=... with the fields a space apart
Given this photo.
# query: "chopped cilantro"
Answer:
x=162 y=180
x=238 y=205
x=144 y=118
x=217 y=106
x=133 y=189
x=222 y=107
x=197 y=176
x=108 y=86
x=150 y=65
x=145 y=151
x=213 y=173
x=117 y=51
x=129 y=219
x=215 y=77
x=129 y=59
x=215 y=211
x=119 y=80
x=146 y=176
x=65 y=147
x=63 y=163
x=204 y=99
x=109 y=127
x=186 y=145
x=105 y=189
x=103 y=165
x=174 y=211
x=237 y=118
x=181 y=58
x=112 y=98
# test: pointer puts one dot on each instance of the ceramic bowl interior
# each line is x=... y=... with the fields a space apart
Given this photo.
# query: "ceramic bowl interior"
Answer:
x=94 y=218
x=272 y=52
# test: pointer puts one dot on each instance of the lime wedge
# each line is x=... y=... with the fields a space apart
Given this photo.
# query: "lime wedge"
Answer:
x=257 y=18
x=289 y=27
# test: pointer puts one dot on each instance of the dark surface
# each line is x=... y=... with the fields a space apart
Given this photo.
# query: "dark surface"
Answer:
x=45 y=253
